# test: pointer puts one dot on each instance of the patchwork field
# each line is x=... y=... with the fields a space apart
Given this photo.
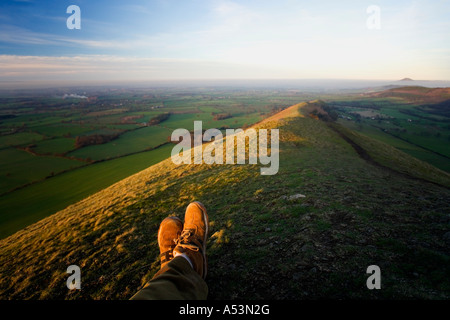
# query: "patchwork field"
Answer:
x=55 y=151
x=421 y=130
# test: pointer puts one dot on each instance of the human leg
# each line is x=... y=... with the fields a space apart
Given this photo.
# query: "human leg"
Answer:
x=183 y=258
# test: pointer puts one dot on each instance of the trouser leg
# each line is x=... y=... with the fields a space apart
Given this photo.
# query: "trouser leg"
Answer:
x=175 y=281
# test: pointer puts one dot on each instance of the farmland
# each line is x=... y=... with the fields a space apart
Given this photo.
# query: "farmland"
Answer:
x=419 y=129
x=56 y=149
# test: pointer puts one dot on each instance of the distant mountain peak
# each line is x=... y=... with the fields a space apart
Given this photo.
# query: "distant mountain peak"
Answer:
x=407 y=79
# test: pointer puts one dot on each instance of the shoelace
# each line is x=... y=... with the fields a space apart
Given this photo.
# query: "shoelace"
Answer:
x=188 y=241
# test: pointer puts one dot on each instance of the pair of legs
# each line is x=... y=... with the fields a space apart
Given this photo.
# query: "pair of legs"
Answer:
x=183 y=258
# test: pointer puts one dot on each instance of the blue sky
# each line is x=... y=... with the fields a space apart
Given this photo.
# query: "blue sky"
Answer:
x=221 y=39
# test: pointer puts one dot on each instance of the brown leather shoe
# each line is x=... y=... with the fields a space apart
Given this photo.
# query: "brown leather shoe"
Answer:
x=192 y=241
x=168 y=233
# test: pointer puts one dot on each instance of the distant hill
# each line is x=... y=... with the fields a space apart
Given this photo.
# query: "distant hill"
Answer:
x=415 y=94
x=339 y=203
x=407 y=79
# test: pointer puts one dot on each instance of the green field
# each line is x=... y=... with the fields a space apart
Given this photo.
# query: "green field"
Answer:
x=58 y=130
x=131 y=142
x=54 y=146
x=19 y=168
x=51 y=195
x=20 y=138
x=40 y=159
x=402 y=125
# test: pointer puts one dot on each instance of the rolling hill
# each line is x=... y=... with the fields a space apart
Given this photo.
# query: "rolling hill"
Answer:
x=416 y=94
x=339 y=203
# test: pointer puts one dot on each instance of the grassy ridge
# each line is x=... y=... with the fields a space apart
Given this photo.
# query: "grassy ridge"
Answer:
x=395 y=159
x=420 y=130
x=264 y=241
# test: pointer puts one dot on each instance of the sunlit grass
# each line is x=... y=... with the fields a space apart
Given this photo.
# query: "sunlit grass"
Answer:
x=263 y=244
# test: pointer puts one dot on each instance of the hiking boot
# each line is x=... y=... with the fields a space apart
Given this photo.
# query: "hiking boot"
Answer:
x=192 y=241
x=168 y=233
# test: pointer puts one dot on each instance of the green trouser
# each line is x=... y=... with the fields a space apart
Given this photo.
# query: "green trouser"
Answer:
x=175 y=281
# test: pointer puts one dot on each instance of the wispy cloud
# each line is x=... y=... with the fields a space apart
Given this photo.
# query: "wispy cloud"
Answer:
x=250 y=38
x=16 y=35
x=108 y=67
x=115 y=68
x=101 y=67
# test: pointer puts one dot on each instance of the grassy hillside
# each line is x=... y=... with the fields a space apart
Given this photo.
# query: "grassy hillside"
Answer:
x=337 y=205
x=416 y=94
x=409 y=124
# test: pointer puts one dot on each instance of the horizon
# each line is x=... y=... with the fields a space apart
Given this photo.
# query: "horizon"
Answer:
x=305 y=85
x=220 y=39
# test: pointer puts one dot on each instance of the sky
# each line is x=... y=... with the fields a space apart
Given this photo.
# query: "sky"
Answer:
x=221 y=39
